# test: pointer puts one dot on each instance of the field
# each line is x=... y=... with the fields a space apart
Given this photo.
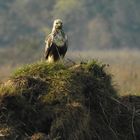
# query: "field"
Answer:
x=124 y=65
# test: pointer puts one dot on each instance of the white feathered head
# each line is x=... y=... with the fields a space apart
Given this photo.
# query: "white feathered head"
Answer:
x=57 y=24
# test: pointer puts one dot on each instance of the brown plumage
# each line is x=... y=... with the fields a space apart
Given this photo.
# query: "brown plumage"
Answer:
x=56 y=43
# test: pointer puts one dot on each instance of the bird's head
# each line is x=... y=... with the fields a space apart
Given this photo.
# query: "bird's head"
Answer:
x=57 y=24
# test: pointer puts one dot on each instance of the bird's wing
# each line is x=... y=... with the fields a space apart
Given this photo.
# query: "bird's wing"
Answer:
x=66 y=40
x=48 y=42
x=65 y=48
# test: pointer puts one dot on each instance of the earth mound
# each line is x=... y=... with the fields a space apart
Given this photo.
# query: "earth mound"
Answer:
x=45 y=101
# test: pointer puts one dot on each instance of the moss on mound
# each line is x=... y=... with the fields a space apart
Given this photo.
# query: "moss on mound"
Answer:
x=60 y=102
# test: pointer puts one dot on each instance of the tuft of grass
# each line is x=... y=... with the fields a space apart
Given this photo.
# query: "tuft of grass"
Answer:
x=40 y=69
x=6 y=89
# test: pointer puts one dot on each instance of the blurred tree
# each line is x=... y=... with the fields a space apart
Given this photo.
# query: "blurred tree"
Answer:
x=98 y=33
x=89 y=23
x=126 y=23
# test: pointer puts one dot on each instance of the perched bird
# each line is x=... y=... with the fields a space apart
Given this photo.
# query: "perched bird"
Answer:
x=56 y=43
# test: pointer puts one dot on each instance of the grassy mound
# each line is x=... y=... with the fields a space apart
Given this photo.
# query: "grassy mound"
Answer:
x=59 y=102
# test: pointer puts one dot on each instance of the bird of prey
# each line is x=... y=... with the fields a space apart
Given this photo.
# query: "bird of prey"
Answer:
x=56 y=43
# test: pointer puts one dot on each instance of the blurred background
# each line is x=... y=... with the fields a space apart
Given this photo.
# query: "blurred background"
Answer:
x=108 y=30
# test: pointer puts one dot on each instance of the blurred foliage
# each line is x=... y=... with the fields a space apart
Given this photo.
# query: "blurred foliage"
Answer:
x=23 y=51
x=89 y=23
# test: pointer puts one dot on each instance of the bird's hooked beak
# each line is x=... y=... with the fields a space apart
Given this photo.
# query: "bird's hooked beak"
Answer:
x=59 y=26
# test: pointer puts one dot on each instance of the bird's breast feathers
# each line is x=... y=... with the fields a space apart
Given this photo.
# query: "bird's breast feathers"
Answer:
x=59 y=39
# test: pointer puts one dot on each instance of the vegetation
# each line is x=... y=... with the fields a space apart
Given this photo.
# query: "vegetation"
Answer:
x=90 y=23
x=66 y=102
x=124 y=64
x=70 y=101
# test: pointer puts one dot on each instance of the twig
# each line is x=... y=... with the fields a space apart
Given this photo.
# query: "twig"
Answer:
x=133 y=130
x=119 y=102
x=71 y=61
x=108 y=122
